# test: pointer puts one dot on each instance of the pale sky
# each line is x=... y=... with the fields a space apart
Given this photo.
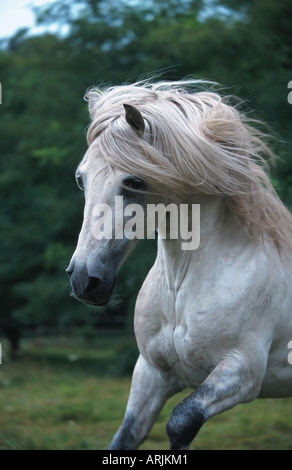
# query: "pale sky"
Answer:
x=15 y=14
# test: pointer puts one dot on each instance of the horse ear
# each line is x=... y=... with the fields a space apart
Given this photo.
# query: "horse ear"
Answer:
x=135 y=119
x=92 y=98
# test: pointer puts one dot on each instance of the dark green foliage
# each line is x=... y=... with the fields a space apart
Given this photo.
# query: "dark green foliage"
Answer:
x=245 y=46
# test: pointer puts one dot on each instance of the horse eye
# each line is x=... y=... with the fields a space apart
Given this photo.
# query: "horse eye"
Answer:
x=134 y=183
x=79 y=181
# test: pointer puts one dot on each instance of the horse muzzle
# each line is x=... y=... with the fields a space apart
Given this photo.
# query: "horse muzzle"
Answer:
x=93 y=286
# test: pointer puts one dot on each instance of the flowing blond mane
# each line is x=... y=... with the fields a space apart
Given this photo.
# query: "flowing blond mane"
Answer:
x=194 y=142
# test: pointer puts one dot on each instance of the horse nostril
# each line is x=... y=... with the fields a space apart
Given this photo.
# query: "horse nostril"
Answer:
x=92 y=285
x=69 y=271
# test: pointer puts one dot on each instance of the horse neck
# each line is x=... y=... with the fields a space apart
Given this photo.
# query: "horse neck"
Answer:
x=217 y=226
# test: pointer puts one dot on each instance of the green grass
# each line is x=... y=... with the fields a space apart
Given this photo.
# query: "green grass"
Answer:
x=65 y=394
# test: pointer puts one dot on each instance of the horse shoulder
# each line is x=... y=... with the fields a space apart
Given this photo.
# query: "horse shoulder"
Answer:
x=234 y=306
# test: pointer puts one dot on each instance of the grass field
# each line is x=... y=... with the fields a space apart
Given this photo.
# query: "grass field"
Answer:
x=71 y=394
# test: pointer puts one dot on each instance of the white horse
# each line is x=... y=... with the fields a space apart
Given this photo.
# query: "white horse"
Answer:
x=218 y=318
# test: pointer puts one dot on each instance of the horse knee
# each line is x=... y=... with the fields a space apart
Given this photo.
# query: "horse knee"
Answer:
x=230 y=383
x=184 y=423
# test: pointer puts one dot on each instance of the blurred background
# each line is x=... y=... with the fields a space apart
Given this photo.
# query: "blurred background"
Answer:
x=50 y=53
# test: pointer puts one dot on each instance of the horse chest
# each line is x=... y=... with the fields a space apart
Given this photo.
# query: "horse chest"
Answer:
x=154 y=334
x=164 y=341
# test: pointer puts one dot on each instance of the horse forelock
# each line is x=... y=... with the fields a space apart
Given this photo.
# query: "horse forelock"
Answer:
x=195 y=142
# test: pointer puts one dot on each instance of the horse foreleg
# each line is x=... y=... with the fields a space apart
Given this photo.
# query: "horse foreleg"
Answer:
x=149 y=391
x=233 y=381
